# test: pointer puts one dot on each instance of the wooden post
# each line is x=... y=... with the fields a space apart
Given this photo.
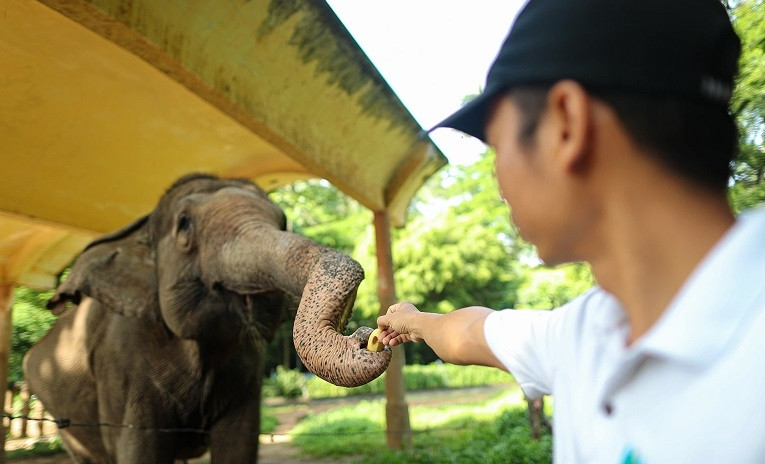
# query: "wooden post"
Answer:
x=8 y=409
x=6 y=304
x=396 y=410
x=25 y=399
x=39 y=426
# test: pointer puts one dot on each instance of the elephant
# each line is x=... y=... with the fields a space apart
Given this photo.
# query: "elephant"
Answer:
x=158 y=351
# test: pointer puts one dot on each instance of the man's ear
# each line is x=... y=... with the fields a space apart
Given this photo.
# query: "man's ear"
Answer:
x=569 y=106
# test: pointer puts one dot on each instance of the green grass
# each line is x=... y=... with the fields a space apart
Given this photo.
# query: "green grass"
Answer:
x=268 y=420
x=493 y=431
x=40 y=448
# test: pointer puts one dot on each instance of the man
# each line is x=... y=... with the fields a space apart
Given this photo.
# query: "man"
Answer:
x=613 y=143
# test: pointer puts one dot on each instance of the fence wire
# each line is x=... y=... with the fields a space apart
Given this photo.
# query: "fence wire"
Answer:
x=67 y=423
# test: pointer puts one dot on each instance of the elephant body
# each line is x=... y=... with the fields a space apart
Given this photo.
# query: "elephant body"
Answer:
x=164 y=324
x=146 y=378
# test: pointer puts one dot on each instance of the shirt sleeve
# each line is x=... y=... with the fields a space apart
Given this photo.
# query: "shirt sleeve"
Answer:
x=529 y=344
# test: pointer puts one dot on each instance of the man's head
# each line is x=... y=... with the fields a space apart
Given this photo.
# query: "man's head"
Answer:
x=665 y=67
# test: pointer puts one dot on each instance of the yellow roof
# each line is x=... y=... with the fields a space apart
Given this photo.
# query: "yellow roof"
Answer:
x=104 y=103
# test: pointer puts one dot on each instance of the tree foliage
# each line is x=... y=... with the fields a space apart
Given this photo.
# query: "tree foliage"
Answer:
x=748 y=105
x=30 y=322
x=457 y=248
x=317 y=210
x=547 y=288
x=460 y=248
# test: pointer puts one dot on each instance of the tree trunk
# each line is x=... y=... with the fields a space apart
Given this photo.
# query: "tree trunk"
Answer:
x=396 y=410
x=538 y=422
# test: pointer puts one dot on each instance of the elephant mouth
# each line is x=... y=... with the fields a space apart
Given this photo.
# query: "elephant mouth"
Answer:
x=253 y=310
x=247 y=308
x=264 y=311
x=248 y=301
x=247 y=298
x=360 y=338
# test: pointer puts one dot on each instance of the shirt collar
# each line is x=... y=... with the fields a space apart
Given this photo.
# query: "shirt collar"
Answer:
x=724 y=291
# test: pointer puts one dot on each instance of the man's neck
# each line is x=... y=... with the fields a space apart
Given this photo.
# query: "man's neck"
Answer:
x=652 y=240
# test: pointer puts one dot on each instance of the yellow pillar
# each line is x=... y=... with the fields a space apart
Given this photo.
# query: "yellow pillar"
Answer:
x=6 y=303
x=396 y=410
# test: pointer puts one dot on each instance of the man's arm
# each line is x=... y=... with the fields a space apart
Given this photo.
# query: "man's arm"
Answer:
x=456 y=337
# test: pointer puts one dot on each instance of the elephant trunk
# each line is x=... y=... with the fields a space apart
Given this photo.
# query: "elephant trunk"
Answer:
x=327 y=282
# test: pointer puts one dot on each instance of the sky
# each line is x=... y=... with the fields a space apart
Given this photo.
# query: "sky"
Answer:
x=432 y=53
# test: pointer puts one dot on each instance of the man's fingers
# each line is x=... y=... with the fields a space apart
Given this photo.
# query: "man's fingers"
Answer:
x=394 y=340
x=393 y=323
x=388 y=335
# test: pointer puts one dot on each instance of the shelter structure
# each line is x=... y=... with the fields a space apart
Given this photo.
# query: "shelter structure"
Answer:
x=104 y=103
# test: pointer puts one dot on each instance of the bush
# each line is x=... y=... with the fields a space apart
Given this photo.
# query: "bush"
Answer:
x=318 y=388
x=285 y=382
x=416 y=377
x=512 y=444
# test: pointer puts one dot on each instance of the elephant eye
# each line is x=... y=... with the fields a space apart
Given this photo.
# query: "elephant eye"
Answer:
x=183 y=234
x=183 y=223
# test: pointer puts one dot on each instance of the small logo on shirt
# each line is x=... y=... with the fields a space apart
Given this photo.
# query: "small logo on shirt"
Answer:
x=631 y=456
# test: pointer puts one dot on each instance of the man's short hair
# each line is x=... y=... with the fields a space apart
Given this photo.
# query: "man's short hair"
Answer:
x=695 y=140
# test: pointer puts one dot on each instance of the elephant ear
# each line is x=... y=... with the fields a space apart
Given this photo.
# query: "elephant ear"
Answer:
x=118 y=270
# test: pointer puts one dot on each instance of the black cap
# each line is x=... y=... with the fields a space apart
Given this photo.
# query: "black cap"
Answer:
x=662 y=47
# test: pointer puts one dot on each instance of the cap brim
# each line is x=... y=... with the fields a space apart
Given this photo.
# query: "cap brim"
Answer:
x=471 y=118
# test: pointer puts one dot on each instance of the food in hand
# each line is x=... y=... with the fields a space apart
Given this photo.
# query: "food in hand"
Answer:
x=374 y=343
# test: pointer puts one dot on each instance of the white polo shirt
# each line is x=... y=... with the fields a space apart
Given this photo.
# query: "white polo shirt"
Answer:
x=691 y=390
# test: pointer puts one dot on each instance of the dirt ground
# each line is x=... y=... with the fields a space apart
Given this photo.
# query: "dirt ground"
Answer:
x=271 y=453
x=277 y=448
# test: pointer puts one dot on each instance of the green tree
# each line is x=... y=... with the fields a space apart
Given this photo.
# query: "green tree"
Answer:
x=748 y=105
x=319 y=211
x=457 y=249
x=443 y=263
x=460 y=248
x=547 y=288
x=31 y=320
x=529 y=283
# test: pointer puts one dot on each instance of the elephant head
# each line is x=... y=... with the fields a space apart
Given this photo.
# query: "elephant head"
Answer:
x=216 y=264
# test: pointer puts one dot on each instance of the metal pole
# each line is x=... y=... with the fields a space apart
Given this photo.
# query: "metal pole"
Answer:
x=6 y=325
x=396 y=410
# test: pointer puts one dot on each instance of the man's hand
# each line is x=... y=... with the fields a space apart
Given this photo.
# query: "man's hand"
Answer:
x=456 y=337
x=397 y=324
